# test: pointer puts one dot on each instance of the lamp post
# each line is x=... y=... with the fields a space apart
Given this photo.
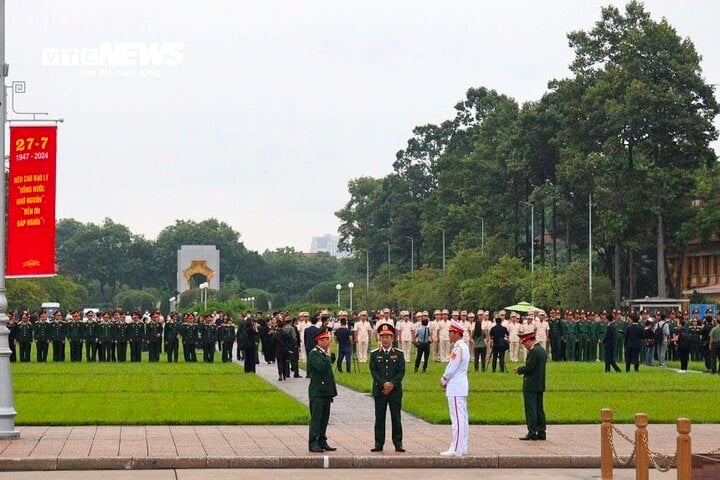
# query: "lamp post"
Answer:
x=532 y=248
x=412 y=254
x=590 y=246
x=172 y=304
x=482 y=230
x=350 y=286
x=338 y=287
x=443 y=243
x=7 y=408
x=203 y=289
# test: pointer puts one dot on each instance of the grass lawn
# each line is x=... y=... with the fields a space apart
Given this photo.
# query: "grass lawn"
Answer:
x=576 y=393
x=148 y=394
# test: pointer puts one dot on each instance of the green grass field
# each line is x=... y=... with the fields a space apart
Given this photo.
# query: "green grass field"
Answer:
x=148 y=394
x=576 y=393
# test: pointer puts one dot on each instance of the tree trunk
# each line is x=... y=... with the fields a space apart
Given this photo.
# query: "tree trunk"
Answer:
x=661 y=270
x=554 y=227
x=618 y=280
x=515 y=222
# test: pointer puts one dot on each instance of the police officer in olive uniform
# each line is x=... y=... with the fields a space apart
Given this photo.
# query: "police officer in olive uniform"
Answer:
x=321 y=391
x=170 y=335
x=42 y=337
x=25 y=337
x=387 y=367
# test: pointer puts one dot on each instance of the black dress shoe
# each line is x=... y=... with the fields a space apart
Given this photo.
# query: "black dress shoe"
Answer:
x=328 y=448
x=316 y=449
x=529 y=437
x=542 y=437
x=376 y=449
x=400 y=449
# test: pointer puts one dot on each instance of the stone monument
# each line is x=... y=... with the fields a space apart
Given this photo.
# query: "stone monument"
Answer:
x=198 y=260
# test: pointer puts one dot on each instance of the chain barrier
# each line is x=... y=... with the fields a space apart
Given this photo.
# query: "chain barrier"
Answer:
x=618 y=461
x=662 y=463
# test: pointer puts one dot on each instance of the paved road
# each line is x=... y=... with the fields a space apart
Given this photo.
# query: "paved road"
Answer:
x=354 y=474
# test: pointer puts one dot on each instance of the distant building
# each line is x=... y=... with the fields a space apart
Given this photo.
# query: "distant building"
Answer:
x=327 y=243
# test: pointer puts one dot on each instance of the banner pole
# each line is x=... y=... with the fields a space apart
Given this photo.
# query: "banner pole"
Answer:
x=7 y=408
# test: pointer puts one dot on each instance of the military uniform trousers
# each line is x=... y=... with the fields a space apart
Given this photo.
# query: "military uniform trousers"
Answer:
x=136 y=350
x=209 y=352
x=571 y=343
x=58 y=350
x=319 y=418
x=104 y=352
x=394 y=402
x=171 y=350
x=189 y=352
x=555 y=346
x=534 y=413
x=25 y=351
x=42 y=350
x=75 y=351
x=121 y=351
x=90 y=350
x=227 y=347
x=154 y=350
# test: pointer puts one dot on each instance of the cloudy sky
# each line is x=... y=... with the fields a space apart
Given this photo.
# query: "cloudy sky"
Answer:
x=259 y=112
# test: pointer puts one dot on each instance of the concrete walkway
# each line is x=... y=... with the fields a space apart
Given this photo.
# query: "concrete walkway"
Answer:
x=349 y=408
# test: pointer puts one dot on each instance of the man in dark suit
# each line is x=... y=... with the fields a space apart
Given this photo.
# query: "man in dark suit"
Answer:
x=321 y=391
x=387 y=367
x=533 y=373
x=633 y=341
x=609 y=344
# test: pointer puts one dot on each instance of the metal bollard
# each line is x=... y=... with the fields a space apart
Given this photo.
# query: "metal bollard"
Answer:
x=606 y=454
x=684 y=450
x=642 y=456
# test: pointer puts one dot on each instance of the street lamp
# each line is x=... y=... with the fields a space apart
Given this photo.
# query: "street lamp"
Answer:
x=203 y=289
x=482 y=231
x=590 y=246
x=532 y=248
x=412 y=254
x=172 y=304
x=350 y=286
x=443 y=232
x=338 y=287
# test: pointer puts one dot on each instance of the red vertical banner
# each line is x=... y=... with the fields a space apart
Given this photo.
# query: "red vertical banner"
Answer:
x=31 y=201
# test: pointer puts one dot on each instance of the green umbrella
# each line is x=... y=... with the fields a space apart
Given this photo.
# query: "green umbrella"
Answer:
x=522 y=307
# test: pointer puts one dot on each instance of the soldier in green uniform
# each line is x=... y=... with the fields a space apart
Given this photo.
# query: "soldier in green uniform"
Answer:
x=170 y=337
x=105 y=337
x=555 y=335
x=387 y=367
x=42 y=337
x=25 y=337
x=118 y=317
x=189 y=335
x=600 y=329
x=583 y=333
x=592 y=349
x=136 y=333
x=209 y=337
x=12 y=326
x=571 y=336
x=75 y=335
x=122 y=335
x=90 y=337
x=57 y=333
x=154 y=331
x=533 y=373
x=672 y=323
x=226 y=334
x=321 y=391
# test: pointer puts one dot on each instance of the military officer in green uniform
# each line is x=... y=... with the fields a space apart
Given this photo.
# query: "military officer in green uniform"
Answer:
x=533 y=373
x=226 y=335
x=25 y=337
x=170 y=337
x=321 y=391
x=57 y=333
x=571 y=336
x=555 y=335
x=601 y=328
x=105 y=337
x=75 y=334
x=583 y=333
x=153 y=332
x=90 y=337
x=122 y=335
x=189 y=335
x=593 y=336
x=42 y=337
x=387 y=367
x=136 y=333
x=209 y=337
x=621 y=326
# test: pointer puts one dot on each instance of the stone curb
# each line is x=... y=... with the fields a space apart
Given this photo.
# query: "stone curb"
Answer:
x=319 y=461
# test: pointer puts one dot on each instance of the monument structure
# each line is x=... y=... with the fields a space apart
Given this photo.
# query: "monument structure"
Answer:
x=197 y=264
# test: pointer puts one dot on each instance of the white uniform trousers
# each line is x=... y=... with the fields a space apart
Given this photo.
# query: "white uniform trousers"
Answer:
x=514 y=349
x=444 y=352
x=406 y=349
x=362 y=351
x=303 y=355
x=460 y=423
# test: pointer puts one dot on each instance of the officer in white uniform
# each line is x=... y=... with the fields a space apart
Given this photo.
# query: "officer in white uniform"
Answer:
x=455 y=383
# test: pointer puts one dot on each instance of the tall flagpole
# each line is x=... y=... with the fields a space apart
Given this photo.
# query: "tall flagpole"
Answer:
x=7 y=408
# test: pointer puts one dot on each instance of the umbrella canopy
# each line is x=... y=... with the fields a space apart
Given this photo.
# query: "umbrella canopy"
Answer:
x=524 y=307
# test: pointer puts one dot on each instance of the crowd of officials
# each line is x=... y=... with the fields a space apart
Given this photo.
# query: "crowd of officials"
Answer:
x=492 y=337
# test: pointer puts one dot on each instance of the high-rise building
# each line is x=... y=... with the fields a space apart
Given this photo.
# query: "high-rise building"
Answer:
x=327 y=243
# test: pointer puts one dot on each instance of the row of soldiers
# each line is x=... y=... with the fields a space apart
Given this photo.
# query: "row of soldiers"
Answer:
x=109 y=337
